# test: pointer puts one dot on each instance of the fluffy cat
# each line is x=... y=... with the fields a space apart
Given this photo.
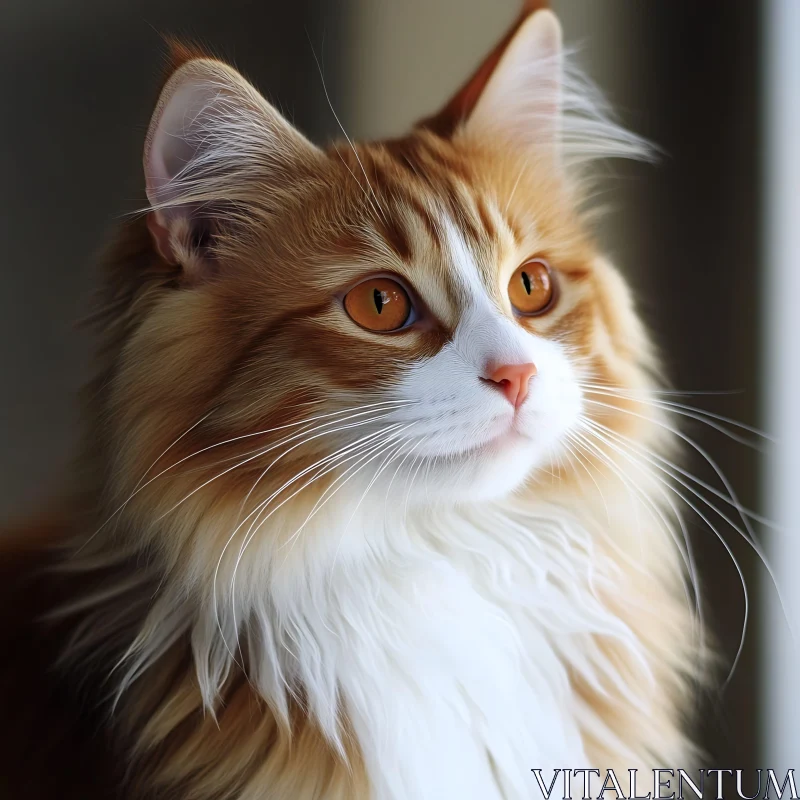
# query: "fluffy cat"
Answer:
x=366 y=511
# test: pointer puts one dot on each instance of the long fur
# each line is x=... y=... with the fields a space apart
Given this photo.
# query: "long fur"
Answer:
x=289 y=571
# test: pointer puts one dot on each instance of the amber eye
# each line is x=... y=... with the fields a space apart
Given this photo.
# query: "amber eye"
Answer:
x=378 y=304
x=531 y=287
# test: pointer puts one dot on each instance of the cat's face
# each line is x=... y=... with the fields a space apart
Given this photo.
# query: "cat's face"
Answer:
x=419 y=312
x=457 y=300
x=489 y=323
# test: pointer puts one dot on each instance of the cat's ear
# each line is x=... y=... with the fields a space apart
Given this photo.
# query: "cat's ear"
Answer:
x=515 y=94
x=213 y=143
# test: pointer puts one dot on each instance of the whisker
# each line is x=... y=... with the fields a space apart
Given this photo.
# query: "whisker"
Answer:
x=394 y=475
x=667 y=392
x=378 y=473
x=650 y=506
x=333 y=460
x=636 y=462
x=253 y=531
x=411 y=485
x=707 y=417
x=305 y=441
x=748 y=537
x=700 y=482
x=732 y=499
x=139 y=487
x=391 y=454
x=341 y=480
x=257 y=524
x=571 y=440
x=294 y=437
x=686 y=551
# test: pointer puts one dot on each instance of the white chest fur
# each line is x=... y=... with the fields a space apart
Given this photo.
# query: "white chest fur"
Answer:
x=450 y=653
x=448 y=696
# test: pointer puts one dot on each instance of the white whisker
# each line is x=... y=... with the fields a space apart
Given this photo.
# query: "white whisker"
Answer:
x=333 y=460
x=706 y=417
x=707 y=521
x=294 y=437
x=748 y=536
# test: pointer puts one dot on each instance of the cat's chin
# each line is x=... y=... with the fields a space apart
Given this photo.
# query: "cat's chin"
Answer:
x=492 y=470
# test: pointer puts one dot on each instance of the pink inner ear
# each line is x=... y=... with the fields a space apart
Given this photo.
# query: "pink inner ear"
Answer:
x=171 y=144
x=161 y=237
x=175 y=132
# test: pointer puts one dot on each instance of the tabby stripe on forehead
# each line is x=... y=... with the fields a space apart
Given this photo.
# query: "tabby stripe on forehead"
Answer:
x=406 y=198
x=453 y=167
x=403 y=196
x=433 y=150
x=443 y=176
x=427 y=219
x=403 y=153
x=412 y=155
x=365 y=163
x=396 y=151
x=486 y=217
x=395 y=236
x=359 y=168
x=446 y=176
x=514 y=227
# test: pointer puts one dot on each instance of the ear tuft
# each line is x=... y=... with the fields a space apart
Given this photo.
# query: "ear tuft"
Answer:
x=181 y=51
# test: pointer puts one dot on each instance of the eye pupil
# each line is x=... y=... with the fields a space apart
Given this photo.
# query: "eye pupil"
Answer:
x=379 y=304
x=530 y=288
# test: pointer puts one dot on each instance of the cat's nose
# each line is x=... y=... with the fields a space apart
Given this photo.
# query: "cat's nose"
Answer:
x=512 y=380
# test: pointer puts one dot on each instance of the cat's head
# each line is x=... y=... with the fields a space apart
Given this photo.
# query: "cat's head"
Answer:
x=421 y=312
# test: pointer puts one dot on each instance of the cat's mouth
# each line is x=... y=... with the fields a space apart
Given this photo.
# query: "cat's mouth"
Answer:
x=510 y=437
x=491 y=465
x=515 y=436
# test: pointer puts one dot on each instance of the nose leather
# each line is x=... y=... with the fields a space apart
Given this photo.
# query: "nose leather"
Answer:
x=512 y=380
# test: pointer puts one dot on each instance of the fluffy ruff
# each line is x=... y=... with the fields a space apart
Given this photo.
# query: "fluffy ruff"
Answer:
x=313 y=562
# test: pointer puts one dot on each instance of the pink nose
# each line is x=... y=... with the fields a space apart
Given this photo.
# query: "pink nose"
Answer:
x=513 y=380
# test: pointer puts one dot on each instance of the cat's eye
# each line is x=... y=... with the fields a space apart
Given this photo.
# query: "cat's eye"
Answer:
x=531 y=288
x=378 y=304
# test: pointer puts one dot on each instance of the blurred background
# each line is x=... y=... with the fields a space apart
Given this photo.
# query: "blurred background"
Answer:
x=708 y=237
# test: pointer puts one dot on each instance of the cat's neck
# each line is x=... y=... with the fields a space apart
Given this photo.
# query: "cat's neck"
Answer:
x=431 y=638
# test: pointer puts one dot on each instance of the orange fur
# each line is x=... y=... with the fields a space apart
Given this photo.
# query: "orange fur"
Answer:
x=172 y=356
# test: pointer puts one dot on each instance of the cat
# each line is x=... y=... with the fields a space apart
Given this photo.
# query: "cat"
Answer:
x=369 y=505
